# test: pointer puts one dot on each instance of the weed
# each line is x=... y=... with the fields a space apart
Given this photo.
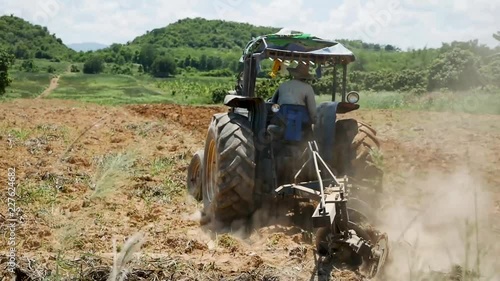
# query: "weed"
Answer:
x=173 y=188
x=227 y=241
x=377 y=159
x=161 y=164
x=112 y=170
x=19 y=134
x=43 y=194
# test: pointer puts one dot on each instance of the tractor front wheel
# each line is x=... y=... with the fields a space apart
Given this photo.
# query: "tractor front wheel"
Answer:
x=229 y=169
x=194 y=175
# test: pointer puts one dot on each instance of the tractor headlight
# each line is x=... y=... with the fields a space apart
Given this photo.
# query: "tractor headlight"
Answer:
x=353 y=97
x=275 y=108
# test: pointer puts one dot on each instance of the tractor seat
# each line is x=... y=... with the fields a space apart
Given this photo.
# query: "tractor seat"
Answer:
x=290 y=122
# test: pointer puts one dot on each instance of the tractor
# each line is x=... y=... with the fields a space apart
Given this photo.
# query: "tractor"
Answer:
x=329 y=161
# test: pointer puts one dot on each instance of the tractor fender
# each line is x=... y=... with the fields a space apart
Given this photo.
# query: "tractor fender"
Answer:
x=242 y=101
x=324 y=129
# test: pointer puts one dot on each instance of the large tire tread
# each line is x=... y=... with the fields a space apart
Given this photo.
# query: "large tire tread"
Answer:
x=234 y=196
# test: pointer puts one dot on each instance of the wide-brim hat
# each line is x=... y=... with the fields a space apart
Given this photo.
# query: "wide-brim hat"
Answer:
x=301 y=71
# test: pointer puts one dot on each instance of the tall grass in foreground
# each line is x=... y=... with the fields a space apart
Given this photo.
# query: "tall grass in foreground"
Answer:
x=113 y=170
x=468 y=102
x=133 y=245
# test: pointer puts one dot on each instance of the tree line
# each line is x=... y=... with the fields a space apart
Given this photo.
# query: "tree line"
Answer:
x=213 y=47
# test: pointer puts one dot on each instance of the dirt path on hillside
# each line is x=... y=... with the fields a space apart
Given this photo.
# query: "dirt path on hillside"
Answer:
x=54 y=82
x=90 y=175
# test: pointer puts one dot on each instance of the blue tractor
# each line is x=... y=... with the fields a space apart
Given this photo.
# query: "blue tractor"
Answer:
x=329 y=161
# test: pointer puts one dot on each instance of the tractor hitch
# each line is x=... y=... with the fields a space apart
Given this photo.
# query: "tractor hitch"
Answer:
x=332 y=215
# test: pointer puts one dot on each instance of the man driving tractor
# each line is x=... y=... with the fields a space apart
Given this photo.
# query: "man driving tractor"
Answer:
x=297 y=91
x=294 y=92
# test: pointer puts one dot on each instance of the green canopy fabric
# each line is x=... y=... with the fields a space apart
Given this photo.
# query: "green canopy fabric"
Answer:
x=287 y=44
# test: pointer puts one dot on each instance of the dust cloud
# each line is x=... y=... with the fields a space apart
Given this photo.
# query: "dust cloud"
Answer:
x=439 y=222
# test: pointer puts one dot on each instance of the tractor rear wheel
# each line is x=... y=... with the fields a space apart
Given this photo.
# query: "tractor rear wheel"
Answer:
x=229 y=169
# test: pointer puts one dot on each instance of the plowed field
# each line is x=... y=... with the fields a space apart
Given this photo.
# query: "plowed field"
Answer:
x=89 y=177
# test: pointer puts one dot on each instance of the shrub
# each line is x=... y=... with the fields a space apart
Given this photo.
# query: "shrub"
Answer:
x=163 y=66
x=29 y=66
x=74 y=68
x=93 y=65
x=218 y=95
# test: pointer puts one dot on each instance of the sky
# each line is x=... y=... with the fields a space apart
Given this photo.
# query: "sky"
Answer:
x=403 y=23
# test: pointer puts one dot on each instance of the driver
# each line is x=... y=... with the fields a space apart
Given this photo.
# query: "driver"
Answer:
x=297 y=90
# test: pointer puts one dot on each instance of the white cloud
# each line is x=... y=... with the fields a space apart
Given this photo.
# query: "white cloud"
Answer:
x=405 y=23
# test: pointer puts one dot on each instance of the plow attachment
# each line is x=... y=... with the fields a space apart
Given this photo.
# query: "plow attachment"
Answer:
x=345 y=223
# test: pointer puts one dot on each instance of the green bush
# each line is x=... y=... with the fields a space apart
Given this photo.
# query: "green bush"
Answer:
x=94 y=65
x=51 y=69
x=265 y=88
x=163 y=66
x=28 y=66
x=74 y=68
x=218 y=95
x=117 y=69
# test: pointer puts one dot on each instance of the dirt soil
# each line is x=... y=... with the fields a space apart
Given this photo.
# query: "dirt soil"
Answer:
x=89 y=177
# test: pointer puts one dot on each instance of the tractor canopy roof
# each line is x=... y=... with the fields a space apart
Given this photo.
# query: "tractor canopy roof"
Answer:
x=297 y=46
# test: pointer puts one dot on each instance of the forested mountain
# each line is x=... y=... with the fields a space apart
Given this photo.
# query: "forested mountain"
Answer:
x=26 y=40
x=194 y=44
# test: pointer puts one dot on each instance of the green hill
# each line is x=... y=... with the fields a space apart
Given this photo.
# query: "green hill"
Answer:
x=196 y=44
x=26 y=40
x=202 y=33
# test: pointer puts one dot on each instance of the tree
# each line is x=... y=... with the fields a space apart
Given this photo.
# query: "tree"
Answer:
x=22 y=51
x=389 y=48
x=147 y=56
x=93 y=65
x=163 y=66
x=491 y=72
x=115 y=47
x=456 y=70
x=203 y=62
x=497 y=35
x=28 y=66
x=6 y=61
